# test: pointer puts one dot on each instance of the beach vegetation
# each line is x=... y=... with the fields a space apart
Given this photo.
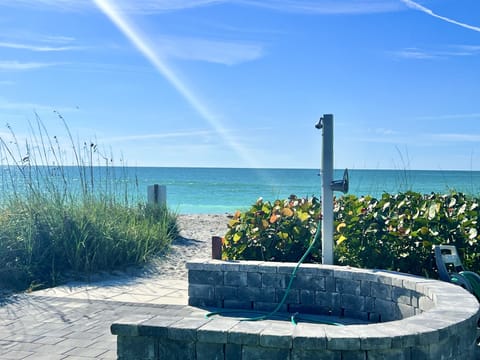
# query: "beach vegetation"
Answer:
x=59 y=222
x=394 y=232
x=274 y=231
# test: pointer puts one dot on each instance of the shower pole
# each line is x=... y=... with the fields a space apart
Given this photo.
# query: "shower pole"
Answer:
x=326 y=124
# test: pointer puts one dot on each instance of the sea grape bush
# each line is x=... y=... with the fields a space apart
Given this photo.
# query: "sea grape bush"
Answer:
x=277 y=231
x=395 y=232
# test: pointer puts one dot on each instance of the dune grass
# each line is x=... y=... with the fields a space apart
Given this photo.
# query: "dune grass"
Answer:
x=60 y=221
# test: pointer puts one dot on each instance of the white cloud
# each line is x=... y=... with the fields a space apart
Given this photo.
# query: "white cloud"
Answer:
x=326 y=6
x=170 y=135
x=381 y=135
x=154 y=6
x=53 y=39
x=10 y=105
x=380 y=139
x=469 y=48
x=159 y=6
x=475 y=116
x=38 y=48
x=414 y=53
x=450 y=51
x=222 y=52
x=383 y=131
x=416 y=6
x=209 y=135
x=131 y=6
x=457 y=137
x=20 y=66
x=57 y=5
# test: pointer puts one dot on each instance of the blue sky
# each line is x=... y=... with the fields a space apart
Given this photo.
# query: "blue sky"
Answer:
x=241 y=83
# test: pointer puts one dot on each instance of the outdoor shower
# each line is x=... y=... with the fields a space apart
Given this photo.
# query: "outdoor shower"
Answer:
x=328 y=186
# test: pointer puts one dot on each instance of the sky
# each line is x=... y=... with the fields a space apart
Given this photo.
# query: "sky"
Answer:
x=241 y=83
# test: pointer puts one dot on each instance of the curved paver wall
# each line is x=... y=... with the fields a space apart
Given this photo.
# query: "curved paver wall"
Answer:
x=411 y=317
x=368 y=295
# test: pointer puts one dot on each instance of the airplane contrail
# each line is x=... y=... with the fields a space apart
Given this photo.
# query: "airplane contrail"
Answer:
x=414 y=5
x=141 y=43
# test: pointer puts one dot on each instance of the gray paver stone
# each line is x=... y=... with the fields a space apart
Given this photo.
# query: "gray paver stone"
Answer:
x=352 y=302
x=342 y=338
x=205 y=277
x=238 y=304
x=216 y=330
x=233 y=351
x=303 y=354
x=186 y=329
x=365 y=288
x=268 y=267
x=347 y=286
x=309 y=282
x=257 y=294
x=391 y=354
x=157 y=326
x=402 y=296
x=254 y=279
x=258 y=352
x=275 y=280
x=269 y=306
x=209 y=351
x=226 y=292
x=307 y=297
x=381 y=291
x=175 y=350
x=354 y=355
x=386 y=309
x=293 y=296
x=246 y=332
x=201 y=291
x=278 y=335
x=131 y=347
x=235 y=278
x=309 y=337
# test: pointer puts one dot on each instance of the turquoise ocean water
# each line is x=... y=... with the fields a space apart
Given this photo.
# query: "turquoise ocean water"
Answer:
x=221 y=190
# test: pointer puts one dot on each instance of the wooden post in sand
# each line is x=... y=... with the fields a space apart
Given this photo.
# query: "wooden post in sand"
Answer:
x=216 y=247
x=157 y=194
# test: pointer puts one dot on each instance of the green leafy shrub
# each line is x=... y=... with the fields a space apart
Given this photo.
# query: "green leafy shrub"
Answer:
x=395 y=232
x=277 y=231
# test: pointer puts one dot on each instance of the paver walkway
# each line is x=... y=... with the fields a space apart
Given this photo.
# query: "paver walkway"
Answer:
x=73 y=322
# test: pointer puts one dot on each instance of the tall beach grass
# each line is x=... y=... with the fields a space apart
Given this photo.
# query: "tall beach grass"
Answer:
x=66 y=210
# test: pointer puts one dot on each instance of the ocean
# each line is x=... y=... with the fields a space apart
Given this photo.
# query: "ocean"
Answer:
x=222 y=190
x=225 y=190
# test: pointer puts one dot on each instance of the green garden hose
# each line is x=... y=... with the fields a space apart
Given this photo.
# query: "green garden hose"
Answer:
x=287 y=291
x=474 y=281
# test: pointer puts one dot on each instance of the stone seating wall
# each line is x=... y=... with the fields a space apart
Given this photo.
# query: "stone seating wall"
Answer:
x=408 y=317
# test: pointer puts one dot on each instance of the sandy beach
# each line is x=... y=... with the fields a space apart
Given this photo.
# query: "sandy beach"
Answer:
x=195 y=242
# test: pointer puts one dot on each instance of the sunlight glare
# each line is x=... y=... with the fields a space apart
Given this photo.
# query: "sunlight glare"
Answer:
x=140 y=41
